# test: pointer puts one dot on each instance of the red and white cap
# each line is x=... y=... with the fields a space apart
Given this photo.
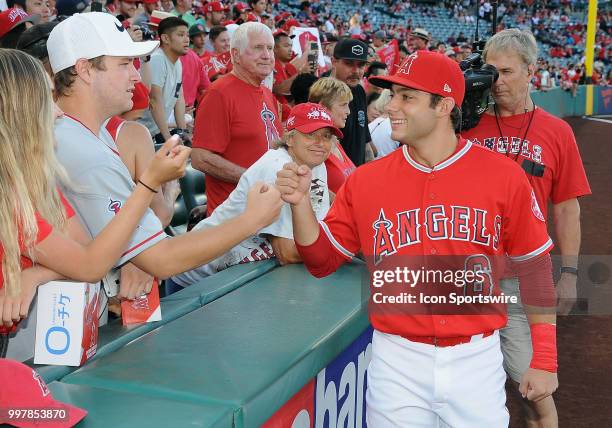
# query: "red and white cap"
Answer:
x=290 y=23
x=158 y=16
x=215 y=6
x=427 y=71
x=242 y=7
x=11 y=18
x=310 y=117
x=22 y=387
x=90 y=35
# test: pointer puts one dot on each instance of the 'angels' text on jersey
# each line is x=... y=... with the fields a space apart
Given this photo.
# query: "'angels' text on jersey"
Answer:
x=516 y=145
x=436 y=222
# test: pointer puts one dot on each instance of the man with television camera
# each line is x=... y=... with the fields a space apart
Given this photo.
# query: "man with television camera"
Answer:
x=546 y=149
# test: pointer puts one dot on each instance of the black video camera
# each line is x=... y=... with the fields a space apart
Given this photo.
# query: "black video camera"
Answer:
x=479 y=78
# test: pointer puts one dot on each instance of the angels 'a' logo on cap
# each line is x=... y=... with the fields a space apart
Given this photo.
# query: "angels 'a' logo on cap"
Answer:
x=447 y=88
x=357 y=50
x=407 y=64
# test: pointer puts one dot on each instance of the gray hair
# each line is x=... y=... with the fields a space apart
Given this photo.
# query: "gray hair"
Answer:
x=240 y=38
x=382 y=100
x=285 y=138
x=514 y=40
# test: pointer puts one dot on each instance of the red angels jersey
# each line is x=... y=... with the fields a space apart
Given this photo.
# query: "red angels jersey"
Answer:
x=549 y=142
x=476 y=206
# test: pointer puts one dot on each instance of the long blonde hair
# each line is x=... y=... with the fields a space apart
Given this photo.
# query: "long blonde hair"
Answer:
x=29 y=171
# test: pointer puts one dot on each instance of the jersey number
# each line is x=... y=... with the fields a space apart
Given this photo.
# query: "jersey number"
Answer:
x=480 y=265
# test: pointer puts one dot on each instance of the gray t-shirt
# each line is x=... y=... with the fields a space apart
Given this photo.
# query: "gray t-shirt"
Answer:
x=102 y=184
x=168 y=77
x=257 y=247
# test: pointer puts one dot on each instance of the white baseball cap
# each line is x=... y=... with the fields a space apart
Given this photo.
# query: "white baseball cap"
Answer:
x=90 y=35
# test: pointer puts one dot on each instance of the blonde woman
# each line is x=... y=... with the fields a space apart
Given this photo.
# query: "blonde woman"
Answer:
x=40 y=237
x=334 y=95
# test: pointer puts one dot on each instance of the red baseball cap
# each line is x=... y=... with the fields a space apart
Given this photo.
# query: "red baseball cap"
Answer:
x=291 y=23
x=215 y=6
x=278 y=33
x=309 y=117
x=13 y=17
x=22 y=387
x=252 y=18
x=242 y=7
x=283 y=15
x=427 y=71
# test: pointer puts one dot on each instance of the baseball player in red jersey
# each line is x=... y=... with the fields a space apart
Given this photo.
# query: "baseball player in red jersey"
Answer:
x=545 y=147
x=445 y=197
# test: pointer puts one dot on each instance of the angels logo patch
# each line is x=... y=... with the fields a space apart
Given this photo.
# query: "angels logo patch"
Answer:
x=114 y=206
x=407 y=64
x=383 y=238
x=535 y=208
x=268 y=117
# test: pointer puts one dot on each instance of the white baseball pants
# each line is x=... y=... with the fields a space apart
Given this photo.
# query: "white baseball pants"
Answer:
x=412 y=384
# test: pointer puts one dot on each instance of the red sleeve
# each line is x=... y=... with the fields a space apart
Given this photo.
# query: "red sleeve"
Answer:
x=339 y=225
x=44 y=229
x=524 y=231
x=536 y=282
x=570 y=180
x=320 y=258
x=213 y=124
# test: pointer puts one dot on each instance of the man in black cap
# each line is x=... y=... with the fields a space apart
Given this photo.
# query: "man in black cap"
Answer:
x=348 y=65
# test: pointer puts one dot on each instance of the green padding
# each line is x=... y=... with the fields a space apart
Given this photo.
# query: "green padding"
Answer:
x=253 y=348
x=561 y=103
x=215 y=286
x=107 y=408
x=114 y=335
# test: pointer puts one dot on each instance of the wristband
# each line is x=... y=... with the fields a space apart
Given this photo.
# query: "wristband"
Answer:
x=148 y=187
x=568 y=269
x=544 y=343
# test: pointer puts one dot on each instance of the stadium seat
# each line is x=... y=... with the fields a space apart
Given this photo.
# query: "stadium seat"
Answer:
x=192 y=195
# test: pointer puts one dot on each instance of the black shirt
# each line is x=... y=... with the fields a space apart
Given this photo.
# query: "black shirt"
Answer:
x=356 y=132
